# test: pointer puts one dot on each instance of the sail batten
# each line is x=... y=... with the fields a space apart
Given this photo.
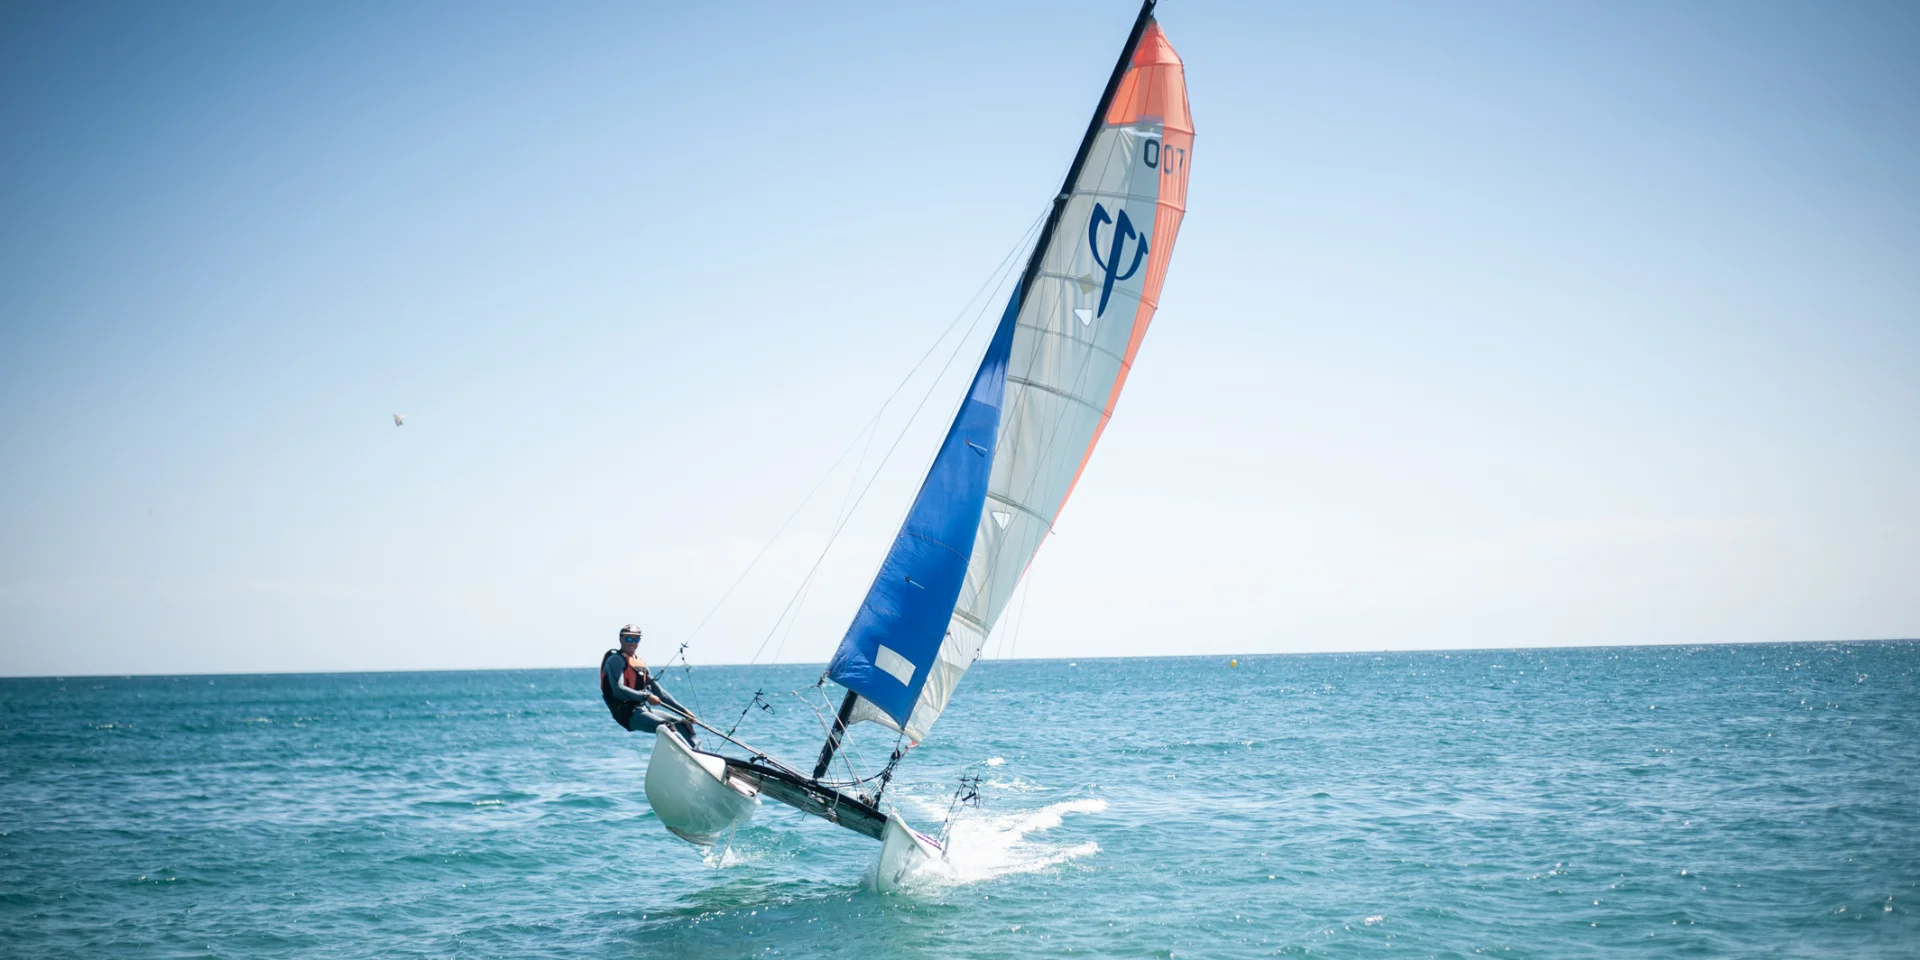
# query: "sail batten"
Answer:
x=1062 y=394
x=1005 y=500
x=1054 y=371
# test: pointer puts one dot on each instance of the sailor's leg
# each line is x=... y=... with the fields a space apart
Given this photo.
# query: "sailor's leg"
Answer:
x=647 y=721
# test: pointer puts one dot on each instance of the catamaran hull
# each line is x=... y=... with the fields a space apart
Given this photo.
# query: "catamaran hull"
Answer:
x=702 y=798
x=692 y=793
x=904 y=852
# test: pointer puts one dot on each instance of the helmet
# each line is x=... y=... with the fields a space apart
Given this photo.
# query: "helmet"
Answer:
x=629 y=634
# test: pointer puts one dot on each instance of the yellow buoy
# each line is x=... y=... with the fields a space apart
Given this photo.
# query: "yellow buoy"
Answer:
x=1233 y=663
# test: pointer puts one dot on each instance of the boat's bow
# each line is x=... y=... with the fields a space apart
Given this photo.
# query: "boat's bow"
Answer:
x=904 y=853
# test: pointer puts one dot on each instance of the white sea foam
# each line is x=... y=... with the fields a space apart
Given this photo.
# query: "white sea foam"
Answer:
x=987 y=846
x=1015 y=785
x=726 y=856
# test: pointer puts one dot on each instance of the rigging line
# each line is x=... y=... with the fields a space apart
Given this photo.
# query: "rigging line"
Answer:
x=806 y=590
x=853 y=479
x=756 y=752
x=842 y=521
x=686 y=669
x=856 y=779
x=759 y=700
x=902 y=435
x=871 y=425
x=1021 y=620
x=840 y=516
x=847 y=754
x=893 y=760
x=826 y=729
x=1019 y=617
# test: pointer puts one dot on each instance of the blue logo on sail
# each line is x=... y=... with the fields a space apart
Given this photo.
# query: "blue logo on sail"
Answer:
x=1122 y=229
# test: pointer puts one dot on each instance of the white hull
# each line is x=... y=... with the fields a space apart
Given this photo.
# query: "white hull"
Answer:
x=904 y=852
x=691 y=792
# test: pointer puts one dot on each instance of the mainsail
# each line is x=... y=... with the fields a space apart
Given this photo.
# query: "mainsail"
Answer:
x=1037 y=405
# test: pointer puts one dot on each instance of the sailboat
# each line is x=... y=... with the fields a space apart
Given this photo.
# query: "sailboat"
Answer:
x=1035 y=409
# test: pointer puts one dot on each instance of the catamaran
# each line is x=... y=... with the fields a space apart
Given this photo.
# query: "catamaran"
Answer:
x=1036 y=407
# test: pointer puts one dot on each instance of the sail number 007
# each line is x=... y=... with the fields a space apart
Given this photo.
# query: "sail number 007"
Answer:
x=1176 y=157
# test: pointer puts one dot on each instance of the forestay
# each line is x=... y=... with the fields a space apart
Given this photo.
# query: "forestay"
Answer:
x=1044 y=393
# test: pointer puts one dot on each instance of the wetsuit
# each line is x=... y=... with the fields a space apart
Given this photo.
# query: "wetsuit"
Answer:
x=625 y=691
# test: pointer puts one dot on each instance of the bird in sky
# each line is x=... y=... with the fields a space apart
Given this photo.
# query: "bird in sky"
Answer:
x=399 y=419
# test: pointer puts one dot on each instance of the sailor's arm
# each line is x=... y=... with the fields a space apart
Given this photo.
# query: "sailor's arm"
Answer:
x=667 y=698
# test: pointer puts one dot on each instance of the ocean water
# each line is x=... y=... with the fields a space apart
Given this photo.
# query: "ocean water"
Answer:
x=1749 y=801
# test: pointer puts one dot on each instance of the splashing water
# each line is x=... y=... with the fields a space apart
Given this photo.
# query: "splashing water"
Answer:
x=726 y=856
x=988 y=846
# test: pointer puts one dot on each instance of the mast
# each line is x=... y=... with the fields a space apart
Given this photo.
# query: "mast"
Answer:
x=1032 y=271
x=834 y=735
x=1027 y=277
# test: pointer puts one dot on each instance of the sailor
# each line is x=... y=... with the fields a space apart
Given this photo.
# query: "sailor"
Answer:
x=633 y=695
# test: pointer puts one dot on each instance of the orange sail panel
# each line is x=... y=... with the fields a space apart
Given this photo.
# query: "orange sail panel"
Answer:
x=1154 y=90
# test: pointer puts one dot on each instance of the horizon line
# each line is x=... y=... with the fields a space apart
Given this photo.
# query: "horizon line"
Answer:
x=1185 y=656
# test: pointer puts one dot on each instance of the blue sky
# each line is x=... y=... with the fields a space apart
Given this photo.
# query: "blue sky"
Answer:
x=1490 y=325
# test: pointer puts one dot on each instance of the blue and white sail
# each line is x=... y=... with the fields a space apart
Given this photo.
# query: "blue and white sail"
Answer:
x=896 y=636
x=1037 y=405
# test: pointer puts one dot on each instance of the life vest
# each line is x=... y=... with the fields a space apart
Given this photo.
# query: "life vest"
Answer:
x=622 y=709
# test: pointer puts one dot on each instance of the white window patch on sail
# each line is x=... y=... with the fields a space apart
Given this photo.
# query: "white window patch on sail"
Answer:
x=896 y=666
x=1002 y=518
x=1085 y=315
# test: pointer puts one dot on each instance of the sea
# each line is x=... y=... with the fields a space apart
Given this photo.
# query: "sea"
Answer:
x=1706 y=801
